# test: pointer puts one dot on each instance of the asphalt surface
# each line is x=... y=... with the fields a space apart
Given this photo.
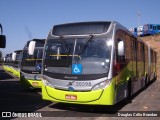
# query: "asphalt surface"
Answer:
x=15 y=98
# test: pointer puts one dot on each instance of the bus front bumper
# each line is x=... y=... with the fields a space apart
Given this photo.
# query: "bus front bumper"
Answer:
x=104 y=96
x=16 y=73
x=31 y=82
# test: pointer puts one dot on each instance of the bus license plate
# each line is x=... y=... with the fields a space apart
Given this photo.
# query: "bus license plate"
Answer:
x=35 y=83
x=71 y=97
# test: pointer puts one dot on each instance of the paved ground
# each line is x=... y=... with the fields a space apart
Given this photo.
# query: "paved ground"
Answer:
x=16 y=98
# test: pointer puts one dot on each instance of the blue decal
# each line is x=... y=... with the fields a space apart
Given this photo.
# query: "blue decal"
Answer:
x=77 y=69
x=38 y=66
x=35 y=77
x=70 y=88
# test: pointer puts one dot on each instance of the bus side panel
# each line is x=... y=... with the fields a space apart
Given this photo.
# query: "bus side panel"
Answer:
x=140 y=65
x=122 y=82
x=153 y=64
x=126 y=71
x=146 y=63
x=149 y=63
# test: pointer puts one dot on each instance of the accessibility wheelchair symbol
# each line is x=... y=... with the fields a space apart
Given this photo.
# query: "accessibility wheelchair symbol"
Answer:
x=38 y=66
x=77 y=69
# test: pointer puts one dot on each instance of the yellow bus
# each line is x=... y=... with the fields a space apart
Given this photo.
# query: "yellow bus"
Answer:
x=16 y=57
x=31 y=64
x=95 y=63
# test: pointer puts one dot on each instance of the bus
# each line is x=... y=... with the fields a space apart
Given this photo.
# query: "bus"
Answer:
x=8 y=63
x=151 y=29
x=31 y=64
x=5 y=63
x=95 y=63
x=2 y=38
x=134 y=31
x=140 y=31
x=16 y=57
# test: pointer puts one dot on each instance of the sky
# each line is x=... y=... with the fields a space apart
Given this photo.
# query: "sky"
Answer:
x=23 y=20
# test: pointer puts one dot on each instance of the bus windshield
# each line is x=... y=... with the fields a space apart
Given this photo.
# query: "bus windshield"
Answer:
x=31 y=62
x=93 y=54
x=16 y=63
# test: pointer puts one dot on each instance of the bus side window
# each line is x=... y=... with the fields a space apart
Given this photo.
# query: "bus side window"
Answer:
x=154 y=27
x=134 y=49
x=120 y=47
x=128 y=48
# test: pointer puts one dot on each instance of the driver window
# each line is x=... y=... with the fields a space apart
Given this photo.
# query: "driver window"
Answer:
x=120 y=48
x=120 y=38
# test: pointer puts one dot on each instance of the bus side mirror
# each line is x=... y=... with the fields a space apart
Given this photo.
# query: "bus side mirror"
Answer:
x=2 y=41
x=121 y=48
x=14 y=56
x=31 y=47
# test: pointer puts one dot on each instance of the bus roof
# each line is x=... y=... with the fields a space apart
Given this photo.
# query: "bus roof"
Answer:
x=80 y=28
x=40 y=42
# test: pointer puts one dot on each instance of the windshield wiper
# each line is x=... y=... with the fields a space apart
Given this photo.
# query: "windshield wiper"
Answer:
x=64 y=44
x=85 y=44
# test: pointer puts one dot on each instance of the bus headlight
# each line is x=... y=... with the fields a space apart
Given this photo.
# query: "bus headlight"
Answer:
x=101 y=85
x=47 y=83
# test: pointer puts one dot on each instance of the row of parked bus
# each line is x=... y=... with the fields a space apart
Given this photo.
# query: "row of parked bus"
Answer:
x=27 y=65
x=99 y=63
x=145 y=30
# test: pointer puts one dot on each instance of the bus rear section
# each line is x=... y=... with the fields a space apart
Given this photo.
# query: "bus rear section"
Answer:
x=31 y=64
x=94 y=63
